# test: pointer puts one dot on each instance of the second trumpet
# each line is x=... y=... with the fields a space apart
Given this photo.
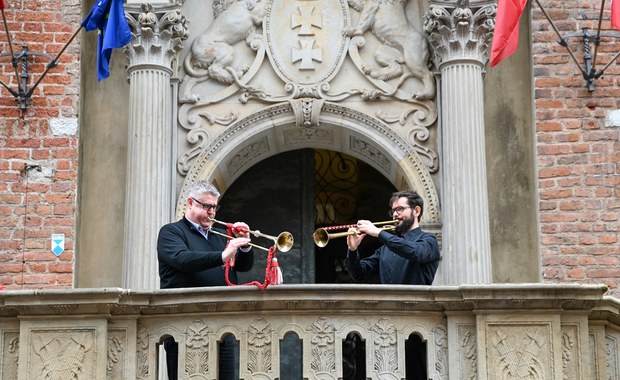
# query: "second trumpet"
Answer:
x=322 y=235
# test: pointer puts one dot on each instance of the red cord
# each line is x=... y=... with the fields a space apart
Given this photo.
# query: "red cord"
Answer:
x=343 y=227
x=268 y=269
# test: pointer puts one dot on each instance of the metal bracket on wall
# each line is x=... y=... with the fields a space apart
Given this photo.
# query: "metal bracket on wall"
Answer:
x=588 y=70
x=23 y=94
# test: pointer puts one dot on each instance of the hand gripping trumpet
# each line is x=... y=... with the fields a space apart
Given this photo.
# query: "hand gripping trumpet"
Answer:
x=321 y=236
x=284 y=241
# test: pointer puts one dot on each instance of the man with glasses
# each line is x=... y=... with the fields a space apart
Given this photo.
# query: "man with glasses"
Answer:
x=190 y=254
x=407 y=256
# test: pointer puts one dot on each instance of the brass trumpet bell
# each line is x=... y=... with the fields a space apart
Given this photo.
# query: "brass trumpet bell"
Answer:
x=283 y=242
x=321 y=236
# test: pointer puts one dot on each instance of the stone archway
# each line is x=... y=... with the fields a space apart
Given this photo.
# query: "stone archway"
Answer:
x=255 y=141
x=311 y=123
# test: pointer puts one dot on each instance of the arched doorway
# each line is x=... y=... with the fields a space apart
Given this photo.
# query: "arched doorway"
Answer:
x=298 y=191
x=287 y=204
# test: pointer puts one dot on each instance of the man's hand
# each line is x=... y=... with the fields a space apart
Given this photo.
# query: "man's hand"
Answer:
x=241 y=229
x=354 y=240
x=368 y=228
x=231 y=249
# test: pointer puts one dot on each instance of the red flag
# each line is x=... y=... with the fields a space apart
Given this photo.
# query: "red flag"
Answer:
x=615 y=14
x=2 y=4
x=506 y=35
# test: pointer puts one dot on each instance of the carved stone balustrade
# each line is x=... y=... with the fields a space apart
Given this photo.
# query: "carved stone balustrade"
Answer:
x=525 y=331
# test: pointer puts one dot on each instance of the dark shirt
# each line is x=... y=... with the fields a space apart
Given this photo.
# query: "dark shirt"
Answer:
x=411 y=259
x=187 y=259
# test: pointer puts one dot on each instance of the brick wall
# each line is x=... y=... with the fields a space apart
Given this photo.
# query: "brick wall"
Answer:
x=578 y=145
x=39 y=147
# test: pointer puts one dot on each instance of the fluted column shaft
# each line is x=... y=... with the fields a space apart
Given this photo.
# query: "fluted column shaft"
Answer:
x=466 y=245
x=458 y=33
x=149 y=197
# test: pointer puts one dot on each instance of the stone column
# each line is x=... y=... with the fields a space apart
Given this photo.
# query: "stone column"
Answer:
x=460 y=34
x=159 y=32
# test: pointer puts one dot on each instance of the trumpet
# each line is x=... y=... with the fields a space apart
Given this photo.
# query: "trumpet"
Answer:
x=321 y=236
x=284 y=241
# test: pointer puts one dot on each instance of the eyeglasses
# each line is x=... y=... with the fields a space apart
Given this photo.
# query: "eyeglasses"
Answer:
x=206 y=206
x=398 y=210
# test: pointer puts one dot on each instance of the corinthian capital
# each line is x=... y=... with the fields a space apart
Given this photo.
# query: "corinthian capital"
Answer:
x=460 y=30
x=158 y=34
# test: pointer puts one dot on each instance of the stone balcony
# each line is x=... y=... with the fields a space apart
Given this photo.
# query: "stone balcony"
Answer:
x=487 y=332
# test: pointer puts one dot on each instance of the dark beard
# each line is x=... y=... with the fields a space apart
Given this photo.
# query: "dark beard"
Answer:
x=404 y=227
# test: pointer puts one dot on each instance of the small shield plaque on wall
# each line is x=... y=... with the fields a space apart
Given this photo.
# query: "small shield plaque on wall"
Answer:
x=58 y=244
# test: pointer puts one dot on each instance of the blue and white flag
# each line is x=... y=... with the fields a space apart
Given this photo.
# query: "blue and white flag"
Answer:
x=108 y=18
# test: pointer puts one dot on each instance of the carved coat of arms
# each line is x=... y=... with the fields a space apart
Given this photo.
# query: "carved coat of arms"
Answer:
x=305 y=40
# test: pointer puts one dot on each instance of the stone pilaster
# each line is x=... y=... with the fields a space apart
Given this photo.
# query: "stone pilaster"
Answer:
x=159 y=32
x=460 y=34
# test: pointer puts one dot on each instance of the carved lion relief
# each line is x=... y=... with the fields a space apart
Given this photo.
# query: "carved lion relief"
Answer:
x=212 y=55
x=404 y=47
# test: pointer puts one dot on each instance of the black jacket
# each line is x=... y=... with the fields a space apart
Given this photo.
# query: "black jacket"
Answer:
x=411 y=259
x=186 y=259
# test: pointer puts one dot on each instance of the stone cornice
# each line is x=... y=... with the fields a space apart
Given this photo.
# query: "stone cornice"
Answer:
x=312 y=298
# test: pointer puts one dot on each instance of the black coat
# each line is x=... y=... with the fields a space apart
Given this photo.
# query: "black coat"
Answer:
x=411 y=259
x=186 y=259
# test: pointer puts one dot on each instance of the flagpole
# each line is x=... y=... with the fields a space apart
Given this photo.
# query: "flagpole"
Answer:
x=8 y=38
x=15 y=94
x=562 y=41
x=53 y=62
x=597 y=41
x=601 y=71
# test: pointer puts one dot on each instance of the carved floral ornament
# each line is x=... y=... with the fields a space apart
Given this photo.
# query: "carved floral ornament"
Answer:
x=460 y=29
x=366 y=55
x=158 y=33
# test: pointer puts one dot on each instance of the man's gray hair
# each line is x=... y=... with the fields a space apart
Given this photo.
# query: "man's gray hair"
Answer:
x=202 y=187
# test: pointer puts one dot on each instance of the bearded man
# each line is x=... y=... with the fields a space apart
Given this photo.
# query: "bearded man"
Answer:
x=407 y=256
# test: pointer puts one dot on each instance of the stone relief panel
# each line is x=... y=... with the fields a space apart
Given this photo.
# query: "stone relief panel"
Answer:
x=402 y=47
x=197 y=349
x=613 y=356
x=520 y=351
x=250 y=153
x=385 y=360
x=142 y=352
x=10 y=355
x=323 y=362
x=62 y=354
x=467 y=355
x=260 y=358
x=304 y=39
x=213 y=56
x=370 y=56
x=440 y=351
x=594 y=357
x=117 y=351
x=570 y=352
